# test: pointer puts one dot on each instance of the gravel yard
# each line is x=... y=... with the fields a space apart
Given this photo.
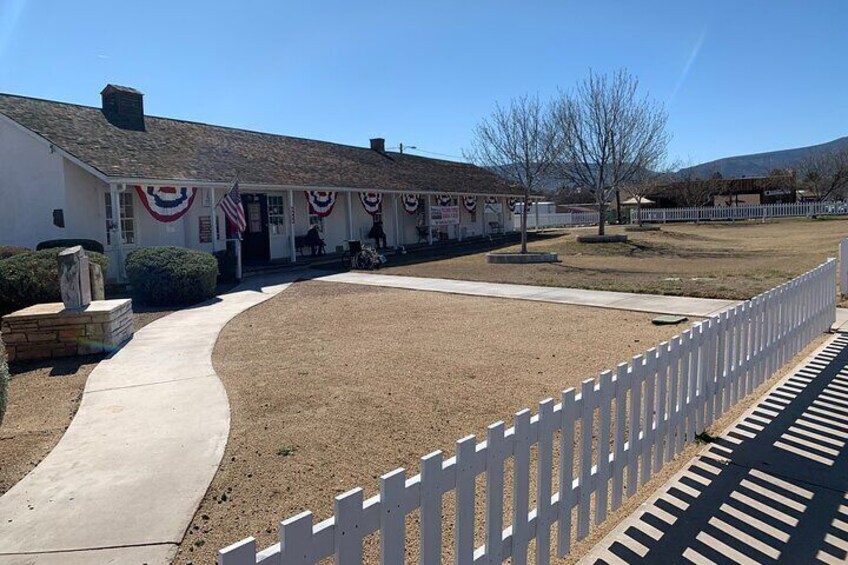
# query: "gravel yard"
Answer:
x=711 y=260
x=331 y=386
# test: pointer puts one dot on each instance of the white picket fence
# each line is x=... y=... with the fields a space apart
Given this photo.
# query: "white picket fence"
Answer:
x=747 y=212
x=559 y=220
x=651 y=408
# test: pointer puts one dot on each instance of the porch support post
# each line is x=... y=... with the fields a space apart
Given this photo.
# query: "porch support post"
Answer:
x=212 y=191
x=398 y=241
x=349 y=215
x=429 y=220
x=503 y=215
x=117 y=235
x=459 y=207
x=292 y=248
x=536 y=209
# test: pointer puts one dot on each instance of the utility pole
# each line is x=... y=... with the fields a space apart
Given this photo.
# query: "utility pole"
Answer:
x=400 y=147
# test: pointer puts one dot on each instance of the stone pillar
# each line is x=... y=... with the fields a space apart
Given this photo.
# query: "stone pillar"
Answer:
x=74 y=278
x=98 y=286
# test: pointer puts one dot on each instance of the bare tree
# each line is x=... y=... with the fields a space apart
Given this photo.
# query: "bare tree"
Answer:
x=692 y=191
x=609 y=135
x=518 y=142
x=825 y=175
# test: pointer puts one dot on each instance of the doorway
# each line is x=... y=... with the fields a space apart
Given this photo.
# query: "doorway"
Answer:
x=256 y=243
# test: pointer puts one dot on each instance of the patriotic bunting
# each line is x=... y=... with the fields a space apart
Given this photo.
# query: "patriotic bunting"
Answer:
x=166 y=203
x=321 y=203
x=410 y=203
x=443 y=200
x=491 y=200
x=470 y=203
x=371 y=201
x=511 y=202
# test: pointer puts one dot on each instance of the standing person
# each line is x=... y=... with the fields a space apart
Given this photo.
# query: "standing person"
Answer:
x=378 y=234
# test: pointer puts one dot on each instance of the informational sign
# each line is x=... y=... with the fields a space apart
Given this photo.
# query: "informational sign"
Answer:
x=492 y=208
x=444 y=215
x=205 y=233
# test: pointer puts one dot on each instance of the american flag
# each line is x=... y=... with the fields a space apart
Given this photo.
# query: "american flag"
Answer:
x=233 y=209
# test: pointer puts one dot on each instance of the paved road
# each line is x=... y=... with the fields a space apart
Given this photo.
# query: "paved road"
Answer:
x=772 y=489
x=123 y=483
x=680 y=305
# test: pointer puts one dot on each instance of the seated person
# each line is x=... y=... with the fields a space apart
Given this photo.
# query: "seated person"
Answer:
x=314 y=241
x=378 y=234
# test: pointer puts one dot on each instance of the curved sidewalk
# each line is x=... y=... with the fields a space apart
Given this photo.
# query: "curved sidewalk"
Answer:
x=124 y=482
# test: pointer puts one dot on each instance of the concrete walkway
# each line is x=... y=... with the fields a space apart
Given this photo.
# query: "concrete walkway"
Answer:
x=124 y=482
x=680 y=305
x=771 y=489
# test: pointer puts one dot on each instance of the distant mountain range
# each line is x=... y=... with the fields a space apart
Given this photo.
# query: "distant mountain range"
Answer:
x=759 y=164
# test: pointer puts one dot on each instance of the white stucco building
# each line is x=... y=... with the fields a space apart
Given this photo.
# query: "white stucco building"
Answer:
x=70 y=171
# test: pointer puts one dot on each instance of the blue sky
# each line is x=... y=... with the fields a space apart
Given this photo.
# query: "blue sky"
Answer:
x=737 y=76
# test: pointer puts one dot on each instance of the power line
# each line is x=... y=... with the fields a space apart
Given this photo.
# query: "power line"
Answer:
x=441 y=154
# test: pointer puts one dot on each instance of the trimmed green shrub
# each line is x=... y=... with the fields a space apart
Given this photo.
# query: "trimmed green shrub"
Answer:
x=33 y=277
x=7 y=251
x=171 y=276
x=4 y=380
x=226 y=265
x=87 y=244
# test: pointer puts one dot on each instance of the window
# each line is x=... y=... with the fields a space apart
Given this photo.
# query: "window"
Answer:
x=474 y=216
x=276 y=215
x=125 y=204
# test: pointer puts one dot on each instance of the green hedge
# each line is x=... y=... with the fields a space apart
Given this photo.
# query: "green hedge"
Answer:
x=4 y=380
x=7 y=251
x=171 y=276
x=33 y=278
x=87 y=244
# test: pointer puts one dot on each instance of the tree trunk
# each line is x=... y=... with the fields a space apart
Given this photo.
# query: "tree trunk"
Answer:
x=602 y=217
x=618 y=206
x=524 y=220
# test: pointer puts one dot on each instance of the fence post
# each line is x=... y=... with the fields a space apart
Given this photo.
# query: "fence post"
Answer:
x=843 y=267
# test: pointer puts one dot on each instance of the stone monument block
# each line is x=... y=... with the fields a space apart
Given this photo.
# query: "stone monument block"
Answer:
x=98 y=283
x=74 y=278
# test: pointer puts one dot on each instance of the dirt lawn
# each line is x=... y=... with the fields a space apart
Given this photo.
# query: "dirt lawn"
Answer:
x=331 y=386
x=726 y=260
x=43 y=399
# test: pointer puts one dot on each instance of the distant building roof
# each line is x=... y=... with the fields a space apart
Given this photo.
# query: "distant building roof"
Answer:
x=170 y=149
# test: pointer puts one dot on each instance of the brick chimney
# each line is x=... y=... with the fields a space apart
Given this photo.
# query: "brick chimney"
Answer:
x=123 y=107
x=378 y=144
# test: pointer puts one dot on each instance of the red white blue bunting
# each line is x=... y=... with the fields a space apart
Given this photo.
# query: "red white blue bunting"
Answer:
x=166 y=203
x=470 y=203
x=443 y=200
x=321 y=203
x=371 y=201
x=511 y=202
x=410 y=203
x=491 y=200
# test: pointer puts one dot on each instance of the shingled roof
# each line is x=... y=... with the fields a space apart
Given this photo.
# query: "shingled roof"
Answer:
x=171 y=149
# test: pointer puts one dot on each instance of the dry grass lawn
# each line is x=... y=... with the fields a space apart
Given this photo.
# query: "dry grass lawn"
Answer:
x=331 y=386
x=718 y=260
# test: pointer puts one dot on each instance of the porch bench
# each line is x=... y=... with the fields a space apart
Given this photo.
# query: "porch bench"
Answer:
x=299 y=244
x=495 y=228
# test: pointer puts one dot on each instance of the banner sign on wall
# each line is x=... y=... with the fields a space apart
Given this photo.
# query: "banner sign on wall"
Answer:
x=371 y=201
x=491 y=205
x=470 y=203
x=166 y=203
x=205 y=233
x=444 y=215
x=410 y=203
x=321 y=203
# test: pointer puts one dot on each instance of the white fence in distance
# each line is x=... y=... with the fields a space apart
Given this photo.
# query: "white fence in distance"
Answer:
x=651 y=408
x=559 y=220
x=746 y=212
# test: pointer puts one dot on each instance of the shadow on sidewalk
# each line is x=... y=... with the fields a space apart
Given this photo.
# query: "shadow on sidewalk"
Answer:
x=773 y=489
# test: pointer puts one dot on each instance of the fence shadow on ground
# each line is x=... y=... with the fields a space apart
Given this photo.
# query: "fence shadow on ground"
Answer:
x=773 y=489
